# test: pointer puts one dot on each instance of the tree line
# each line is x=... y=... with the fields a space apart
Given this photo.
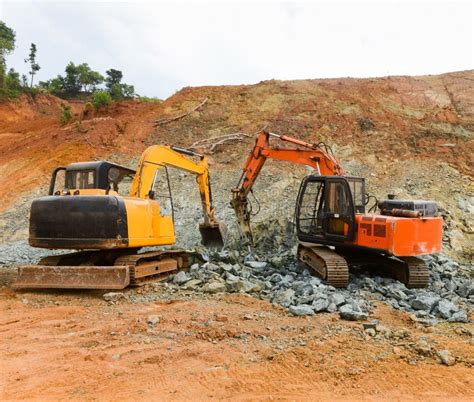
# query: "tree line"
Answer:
x=78 y=79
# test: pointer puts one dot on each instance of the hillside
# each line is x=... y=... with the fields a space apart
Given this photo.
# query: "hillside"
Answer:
x=411 y=135
x=249 y=323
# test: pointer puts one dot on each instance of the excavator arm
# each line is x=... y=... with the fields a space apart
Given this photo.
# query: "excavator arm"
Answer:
x=317 y=156
x=158 y=157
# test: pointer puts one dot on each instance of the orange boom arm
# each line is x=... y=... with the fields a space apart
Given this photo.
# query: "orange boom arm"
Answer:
x=317 y=156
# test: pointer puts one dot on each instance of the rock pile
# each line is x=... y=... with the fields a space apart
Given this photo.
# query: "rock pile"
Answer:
x=279 y=279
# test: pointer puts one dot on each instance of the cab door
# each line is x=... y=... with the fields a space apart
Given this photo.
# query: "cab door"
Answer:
x=339 y=215
x=325 y=210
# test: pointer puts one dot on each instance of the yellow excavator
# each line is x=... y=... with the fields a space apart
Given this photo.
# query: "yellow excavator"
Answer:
x=107 y=230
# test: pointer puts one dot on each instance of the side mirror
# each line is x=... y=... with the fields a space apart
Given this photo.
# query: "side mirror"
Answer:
x=151 y=194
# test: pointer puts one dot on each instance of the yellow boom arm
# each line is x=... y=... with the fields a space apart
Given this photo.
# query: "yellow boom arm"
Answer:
x=159 y=156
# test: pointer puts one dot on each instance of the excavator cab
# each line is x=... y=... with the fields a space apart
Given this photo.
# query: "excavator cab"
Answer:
x=95 y=175
x=326 y=208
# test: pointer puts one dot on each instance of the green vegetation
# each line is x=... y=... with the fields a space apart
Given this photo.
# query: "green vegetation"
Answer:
x=66 y=114
x=31 y=60
x=101 y=99
x=79 y=80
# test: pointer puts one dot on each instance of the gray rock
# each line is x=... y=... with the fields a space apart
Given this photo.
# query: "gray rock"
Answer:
x=347 y=313
x=460 y=316
x=304 y=289
x=284 y=297
x=258 y=265
x=214 y=287
x=301 y=309
x=424 y=302
x=113 y=296
x=244 y=286
x=226 y=267
x=446 y=357
x=180 y=278
x=446 y=309
x=320 y=305
x=193 y=284
x=337 y=299
x=332 y=308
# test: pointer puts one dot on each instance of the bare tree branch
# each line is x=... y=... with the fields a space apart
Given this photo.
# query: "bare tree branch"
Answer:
x=165 y=121
x=210 y=144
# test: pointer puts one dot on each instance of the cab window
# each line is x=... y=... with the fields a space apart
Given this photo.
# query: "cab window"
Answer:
x=80 y=179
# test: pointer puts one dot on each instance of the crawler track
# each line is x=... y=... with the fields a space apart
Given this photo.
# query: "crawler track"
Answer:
x=328 y=265
x=417 y=274
x=154 y=265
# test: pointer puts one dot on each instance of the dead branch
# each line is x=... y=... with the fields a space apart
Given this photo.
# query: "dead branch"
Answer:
x=210 y=144
x=165 y=121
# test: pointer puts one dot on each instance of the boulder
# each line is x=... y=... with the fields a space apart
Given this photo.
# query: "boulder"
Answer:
x=301 y=310
x=180 y=278
x=320 y=305
x=284 y=297
x=214 y=287
x=446 y=309
x=424 y=302
x=346 y=312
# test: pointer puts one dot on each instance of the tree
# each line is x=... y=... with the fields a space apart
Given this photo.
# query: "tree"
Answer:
x=128 y=91
x=7 y=45
x=12 y=81
x=88 y=78
x=72 y=83
x=117 y=90
x=54 y=85
x=34 y=66
x=113 y=77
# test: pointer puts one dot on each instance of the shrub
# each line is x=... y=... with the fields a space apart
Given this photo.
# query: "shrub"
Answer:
x=101 y=99
x=66 y=114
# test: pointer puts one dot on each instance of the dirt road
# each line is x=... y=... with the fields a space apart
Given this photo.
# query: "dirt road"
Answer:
x=74 y=345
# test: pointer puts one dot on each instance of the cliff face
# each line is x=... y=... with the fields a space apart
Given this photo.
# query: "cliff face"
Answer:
x=413 y=135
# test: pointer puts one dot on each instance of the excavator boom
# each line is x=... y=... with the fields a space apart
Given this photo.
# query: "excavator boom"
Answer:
x=316 y=156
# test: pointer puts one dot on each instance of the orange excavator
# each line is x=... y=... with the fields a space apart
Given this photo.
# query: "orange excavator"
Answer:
x=334 y=231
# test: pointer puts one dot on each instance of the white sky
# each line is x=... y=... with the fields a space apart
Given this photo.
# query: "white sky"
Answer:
x=162 y=47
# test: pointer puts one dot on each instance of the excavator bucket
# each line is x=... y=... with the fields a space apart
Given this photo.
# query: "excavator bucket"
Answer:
x=212 y=235
x=72 y=277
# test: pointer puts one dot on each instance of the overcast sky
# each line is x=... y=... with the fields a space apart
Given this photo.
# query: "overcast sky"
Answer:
x=163 y=47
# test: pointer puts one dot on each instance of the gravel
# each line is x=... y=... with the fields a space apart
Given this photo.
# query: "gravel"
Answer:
x=271 y=272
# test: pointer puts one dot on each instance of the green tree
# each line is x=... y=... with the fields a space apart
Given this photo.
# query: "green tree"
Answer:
x=72 y=82
x=31 y=60
x=7 y=45
x=116 y=88
x=88 y=78
x=113 y=77
x=54 y=85
x=13 y=80
x=128 y=91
